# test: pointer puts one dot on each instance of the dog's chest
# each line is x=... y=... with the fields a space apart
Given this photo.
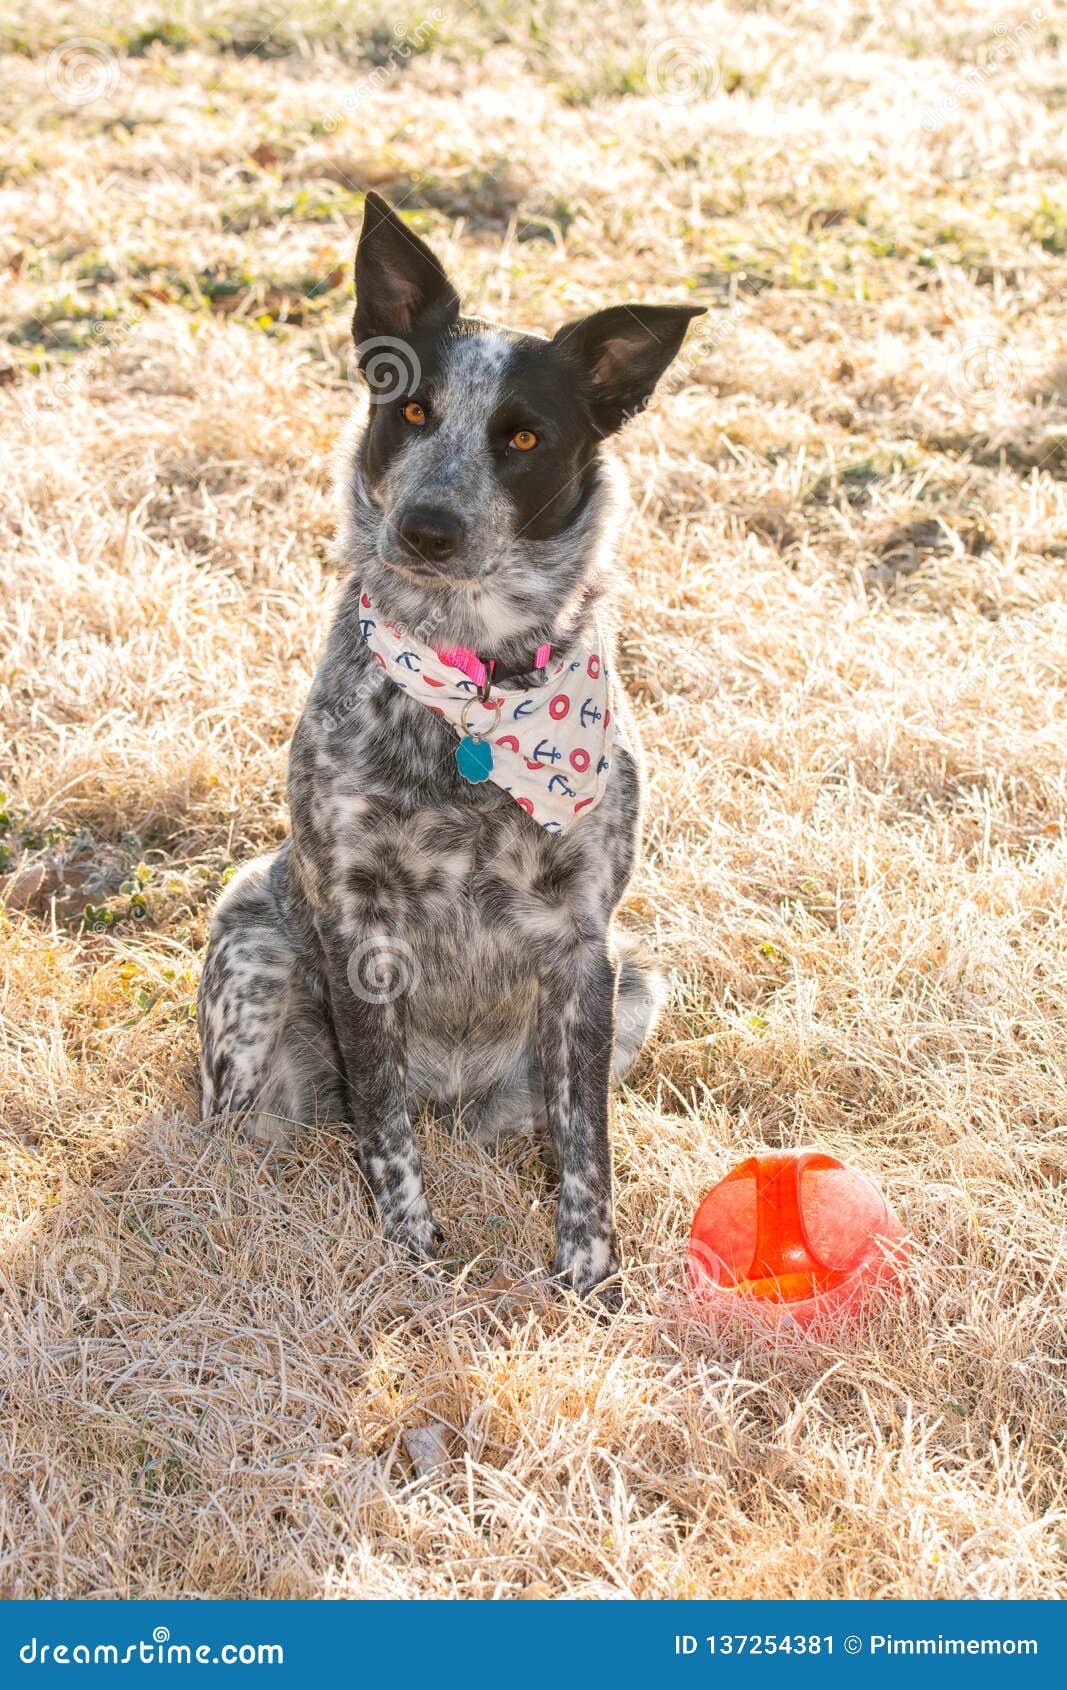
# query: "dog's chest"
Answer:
x=474 y=893
x=391 y=843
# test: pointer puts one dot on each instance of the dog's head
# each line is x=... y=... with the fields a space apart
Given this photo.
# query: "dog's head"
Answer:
x=477 y=495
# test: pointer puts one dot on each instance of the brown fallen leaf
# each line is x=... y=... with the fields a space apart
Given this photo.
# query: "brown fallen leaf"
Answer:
x=163 y=295
x=32 y=888
x=827 y=216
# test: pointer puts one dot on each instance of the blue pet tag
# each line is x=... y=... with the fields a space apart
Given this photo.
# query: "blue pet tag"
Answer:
x=474 y=759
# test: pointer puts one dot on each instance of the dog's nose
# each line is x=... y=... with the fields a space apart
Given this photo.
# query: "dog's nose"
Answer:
x=429 y=533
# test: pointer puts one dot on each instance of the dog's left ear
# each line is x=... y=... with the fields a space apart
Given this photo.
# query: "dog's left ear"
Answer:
x=400 y=283
x=623 y=352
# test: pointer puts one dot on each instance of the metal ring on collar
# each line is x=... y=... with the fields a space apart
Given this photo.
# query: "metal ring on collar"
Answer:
x=476 y=733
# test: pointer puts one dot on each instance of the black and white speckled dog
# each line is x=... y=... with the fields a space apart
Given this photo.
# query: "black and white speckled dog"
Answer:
x=422 y=939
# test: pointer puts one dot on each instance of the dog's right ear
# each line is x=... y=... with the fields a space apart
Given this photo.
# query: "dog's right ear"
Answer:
x=400 y=285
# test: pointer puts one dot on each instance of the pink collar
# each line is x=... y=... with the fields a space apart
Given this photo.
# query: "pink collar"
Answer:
x=462 y=657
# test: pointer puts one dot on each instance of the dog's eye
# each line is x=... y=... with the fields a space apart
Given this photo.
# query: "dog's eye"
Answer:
x=414 y=414
x=524 y=441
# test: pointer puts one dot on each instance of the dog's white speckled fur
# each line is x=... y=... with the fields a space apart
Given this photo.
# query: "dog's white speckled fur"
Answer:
x=420 y=940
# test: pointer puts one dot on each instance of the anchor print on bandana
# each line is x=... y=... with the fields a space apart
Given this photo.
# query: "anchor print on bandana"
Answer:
x=549 y=747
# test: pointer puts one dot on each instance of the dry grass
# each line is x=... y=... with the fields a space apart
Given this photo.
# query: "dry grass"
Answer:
x=847 y=600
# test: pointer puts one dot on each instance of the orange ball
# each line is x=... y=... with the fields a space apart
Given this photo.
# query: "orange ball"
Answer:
x=795 y=1234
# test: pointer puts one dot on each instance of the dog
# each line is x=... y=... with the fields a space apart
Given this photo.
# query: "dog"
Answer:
x=436 y=932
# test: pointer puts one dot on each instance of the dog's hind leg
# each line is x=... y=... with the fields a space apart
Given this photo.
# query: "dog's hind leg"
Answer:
x=513 y=1109
x=516 y=1105
x=638 y=999
x=267 y=1051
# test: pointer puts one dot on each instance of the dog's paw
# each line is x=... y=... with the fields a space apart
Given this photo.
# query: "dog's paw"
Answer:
x=253 y=1126
x=416 y=1232
x=272 y=1131
x=590 y=1268
x=546 y=1150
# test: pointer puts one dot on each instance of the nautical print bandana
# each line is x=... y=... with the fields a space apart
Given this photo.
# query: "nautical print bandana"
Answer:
x=550 y=746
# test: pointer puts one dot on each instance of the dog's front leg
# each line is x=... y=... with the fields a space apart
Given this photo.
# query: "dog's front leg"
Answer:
x=576 y=1041
x=368 y=989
